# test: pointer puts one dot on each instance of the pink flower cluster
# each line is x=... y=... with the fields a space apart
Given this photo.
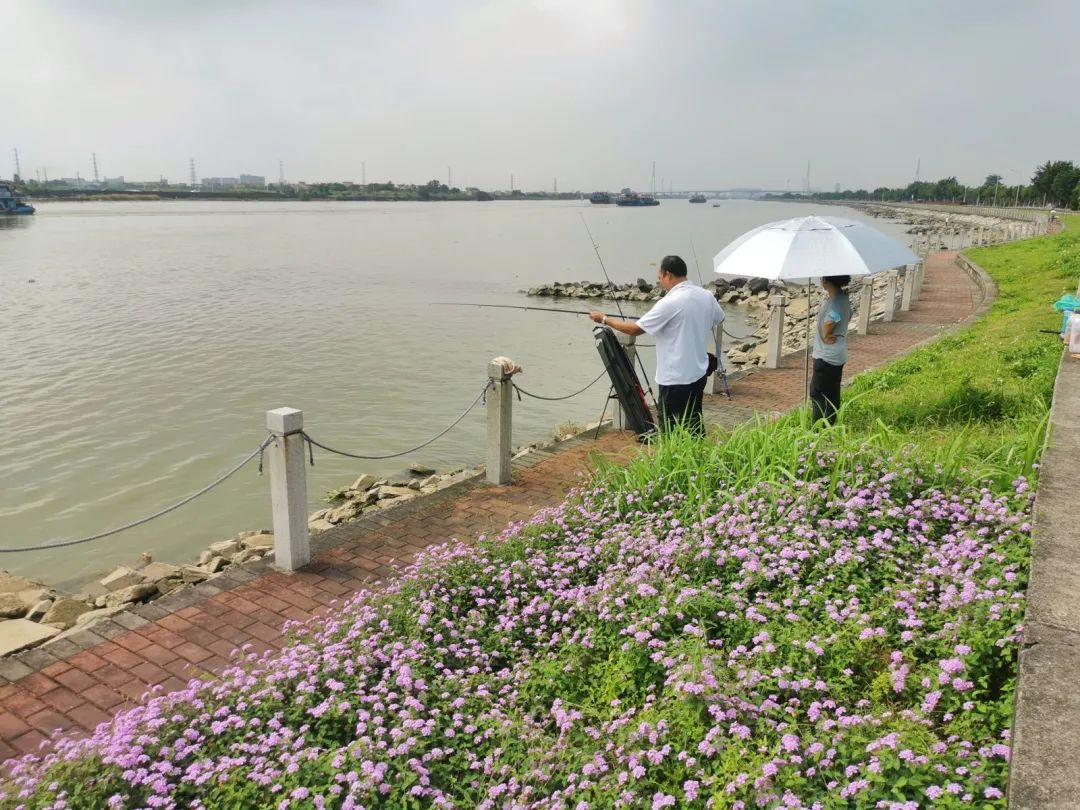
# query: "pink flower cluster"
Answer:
x=801 y=646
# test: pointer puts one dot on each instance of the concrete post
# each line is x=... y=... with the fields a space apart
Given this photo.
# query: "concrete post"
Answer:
x=629 y=344
x=909 y=286
x=718 y=350
x=775 y=348
x=866 y=301
x=920 y=274
x=890 y=295
x=499 y=399
x=288 y=488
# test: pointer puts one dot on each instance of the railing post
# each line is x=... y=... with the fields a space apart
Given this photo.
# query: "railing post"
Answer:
x=288 y=488
x=718 y=349
x=866 y=301
x=775 y=348
x=909 y=286
x=629 y=344
x=890 y=295
x=498 y=424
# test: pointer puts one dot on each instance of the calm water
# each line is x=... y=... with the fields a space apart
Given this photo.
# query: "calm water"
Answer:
x=143 y=343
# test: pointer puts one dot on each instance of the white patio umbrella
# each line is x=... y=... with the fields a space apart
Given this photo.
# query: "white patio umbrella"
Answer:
x=803 y=248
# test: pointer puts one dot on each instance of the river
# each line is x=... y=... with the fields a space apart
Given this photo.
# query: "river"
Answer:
x=143 y=343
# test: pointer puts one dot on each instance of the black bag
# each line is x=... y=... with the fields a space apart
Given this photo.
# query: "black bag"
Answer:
x=712 y=366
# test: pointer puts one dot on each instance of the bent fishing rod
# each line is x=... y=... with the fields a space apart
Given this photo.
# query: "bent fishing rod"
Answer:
x=531 y=309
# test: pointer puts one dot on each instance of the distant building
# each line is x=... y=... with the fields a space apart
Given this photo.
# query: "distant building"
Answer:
x=219 y=183
x=252 y=181
x=114 y=182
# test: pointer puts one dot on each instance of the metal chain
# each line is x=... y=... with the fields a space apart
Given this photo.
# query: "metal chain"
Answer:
x=311 y=441
x=521 y=390
x=64 y=543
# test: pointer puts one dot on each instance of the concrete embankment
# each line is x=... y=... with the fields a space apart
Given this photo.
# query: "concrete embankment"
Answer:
x=1046 y=730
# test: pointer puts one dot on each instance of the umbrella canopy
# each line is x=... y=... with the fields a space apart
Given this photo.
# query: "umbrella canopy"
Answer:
x=811 y=247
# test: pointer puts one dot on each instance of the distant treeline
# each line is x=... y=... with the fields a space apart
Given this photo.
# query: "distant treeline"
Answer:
x=1055 y=183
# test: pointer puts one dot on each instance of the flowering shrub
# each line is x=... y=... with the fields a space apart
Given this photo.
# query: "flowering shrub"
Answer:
x=810 y=644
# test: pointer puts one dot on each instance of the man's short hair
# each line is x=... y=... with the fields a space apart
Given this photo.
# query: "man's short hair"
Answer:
x=673 y=265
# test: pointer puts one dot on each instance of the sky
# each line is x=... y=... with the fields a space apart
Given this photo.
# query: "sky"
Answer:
x=589 y=93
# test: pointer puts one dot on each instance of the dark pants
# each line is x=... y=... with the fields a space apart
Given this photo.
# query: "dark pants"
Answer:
x=825 y=390
x=681 y=404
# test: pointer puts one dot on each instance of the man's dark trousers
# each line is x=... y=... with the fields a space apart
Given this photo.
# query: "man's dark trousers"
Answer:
x=681 y=404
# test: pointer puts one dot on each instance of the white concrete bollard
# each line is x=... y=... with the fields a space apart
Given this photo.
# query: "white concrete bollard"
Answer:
x=288 y=488
x=775 y=348
x=890 y=295
x=629 y=344
x=499 y=399
x=909 y=287
x=866 y=302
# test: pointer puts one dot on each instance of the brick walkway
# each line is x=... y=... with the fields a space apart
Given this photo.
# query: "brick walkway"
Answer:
x=84 y=679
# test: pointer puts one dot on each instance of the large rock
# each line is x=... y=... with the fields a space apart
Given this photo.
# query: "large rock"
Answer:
x=396 y=492
x=18 y=634
x=214 y=564
x=192 y=574
x=64 y=613
x=320 y=525
x=122 y=577
x=136 y=593
x=11 y=606
x=157 y=571
x=257 y=540
x=225 y=547
x=421 y=469
x=37 y=611
x=758 y=285
x=364 y=483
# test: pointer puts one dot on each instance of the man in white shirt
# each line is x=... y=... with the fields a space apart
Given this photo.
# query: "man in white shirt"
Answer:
x=682 y=323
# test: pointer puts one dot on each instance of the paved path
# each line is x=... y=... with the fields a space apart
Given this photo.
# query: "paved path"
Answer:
x=80 y=681
x=1046 y=727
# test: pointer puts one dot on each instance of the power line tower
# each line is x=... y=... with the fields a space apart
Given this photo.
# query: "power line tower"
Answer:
x=806 y=182
x=511 y=182
x=918 y=169
x=363 y=173
x=555 y=185
x=18 y=168
x=280 y=173
x=449 y=178
x=194 y=182
x=652 y=182
x=93 y=158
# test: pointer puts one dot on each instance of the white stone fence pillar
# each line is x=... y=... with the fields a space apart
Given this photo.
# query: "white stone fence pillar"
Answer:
x=890 y=295
x=288 y=488
x=866 y=302
x=909 y=287
x=499 y=399
x=775 y=348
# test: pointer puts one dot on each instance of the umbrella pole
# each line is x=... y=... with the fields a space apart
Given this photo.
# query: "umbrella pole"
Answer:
x=806 y=361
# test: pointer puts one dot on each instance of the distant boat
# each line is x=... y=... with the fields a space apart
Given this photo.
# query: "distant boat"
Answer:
x=600 y=198
x=11 y=204
x=633 y=200
x=697 y=198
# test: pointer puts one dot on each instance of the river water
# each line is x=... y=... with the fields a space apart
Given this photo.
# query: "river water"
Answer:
x=142 y=344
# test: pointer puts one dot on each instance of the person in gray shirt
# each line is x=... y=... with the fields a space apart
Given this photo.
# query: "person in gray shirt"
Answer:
x=830 y=348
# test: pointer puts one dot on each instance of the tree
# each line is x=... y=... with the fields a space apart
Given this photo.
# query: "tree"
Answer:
x=1057 y=180
x=992 y=180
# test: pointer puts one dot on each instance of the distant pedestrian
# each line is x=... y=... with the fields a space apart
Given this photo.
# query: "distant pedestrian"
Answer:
x=682 y=323
x=830 y=348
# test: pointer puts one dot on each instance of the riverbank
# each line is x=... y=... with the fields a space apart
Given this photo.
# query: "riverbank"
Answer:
x=189 y=633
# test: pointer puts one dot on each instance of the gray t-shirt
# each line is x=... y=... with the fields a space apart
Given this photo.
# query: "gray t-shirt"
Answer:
x=838 y=311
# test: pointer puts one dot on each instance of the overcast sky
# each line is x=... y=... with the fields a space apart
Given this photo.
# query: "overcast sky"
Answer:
x=719 y=93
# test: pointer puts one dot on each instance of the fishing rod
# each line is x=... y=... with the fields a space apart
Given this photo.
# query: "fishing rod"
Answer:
x=611 y=289
x=531 y=309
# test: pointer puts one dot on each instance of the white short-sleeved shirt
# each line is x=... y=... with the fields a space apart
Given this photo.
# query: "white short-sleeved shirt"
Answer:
x=682 y=323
